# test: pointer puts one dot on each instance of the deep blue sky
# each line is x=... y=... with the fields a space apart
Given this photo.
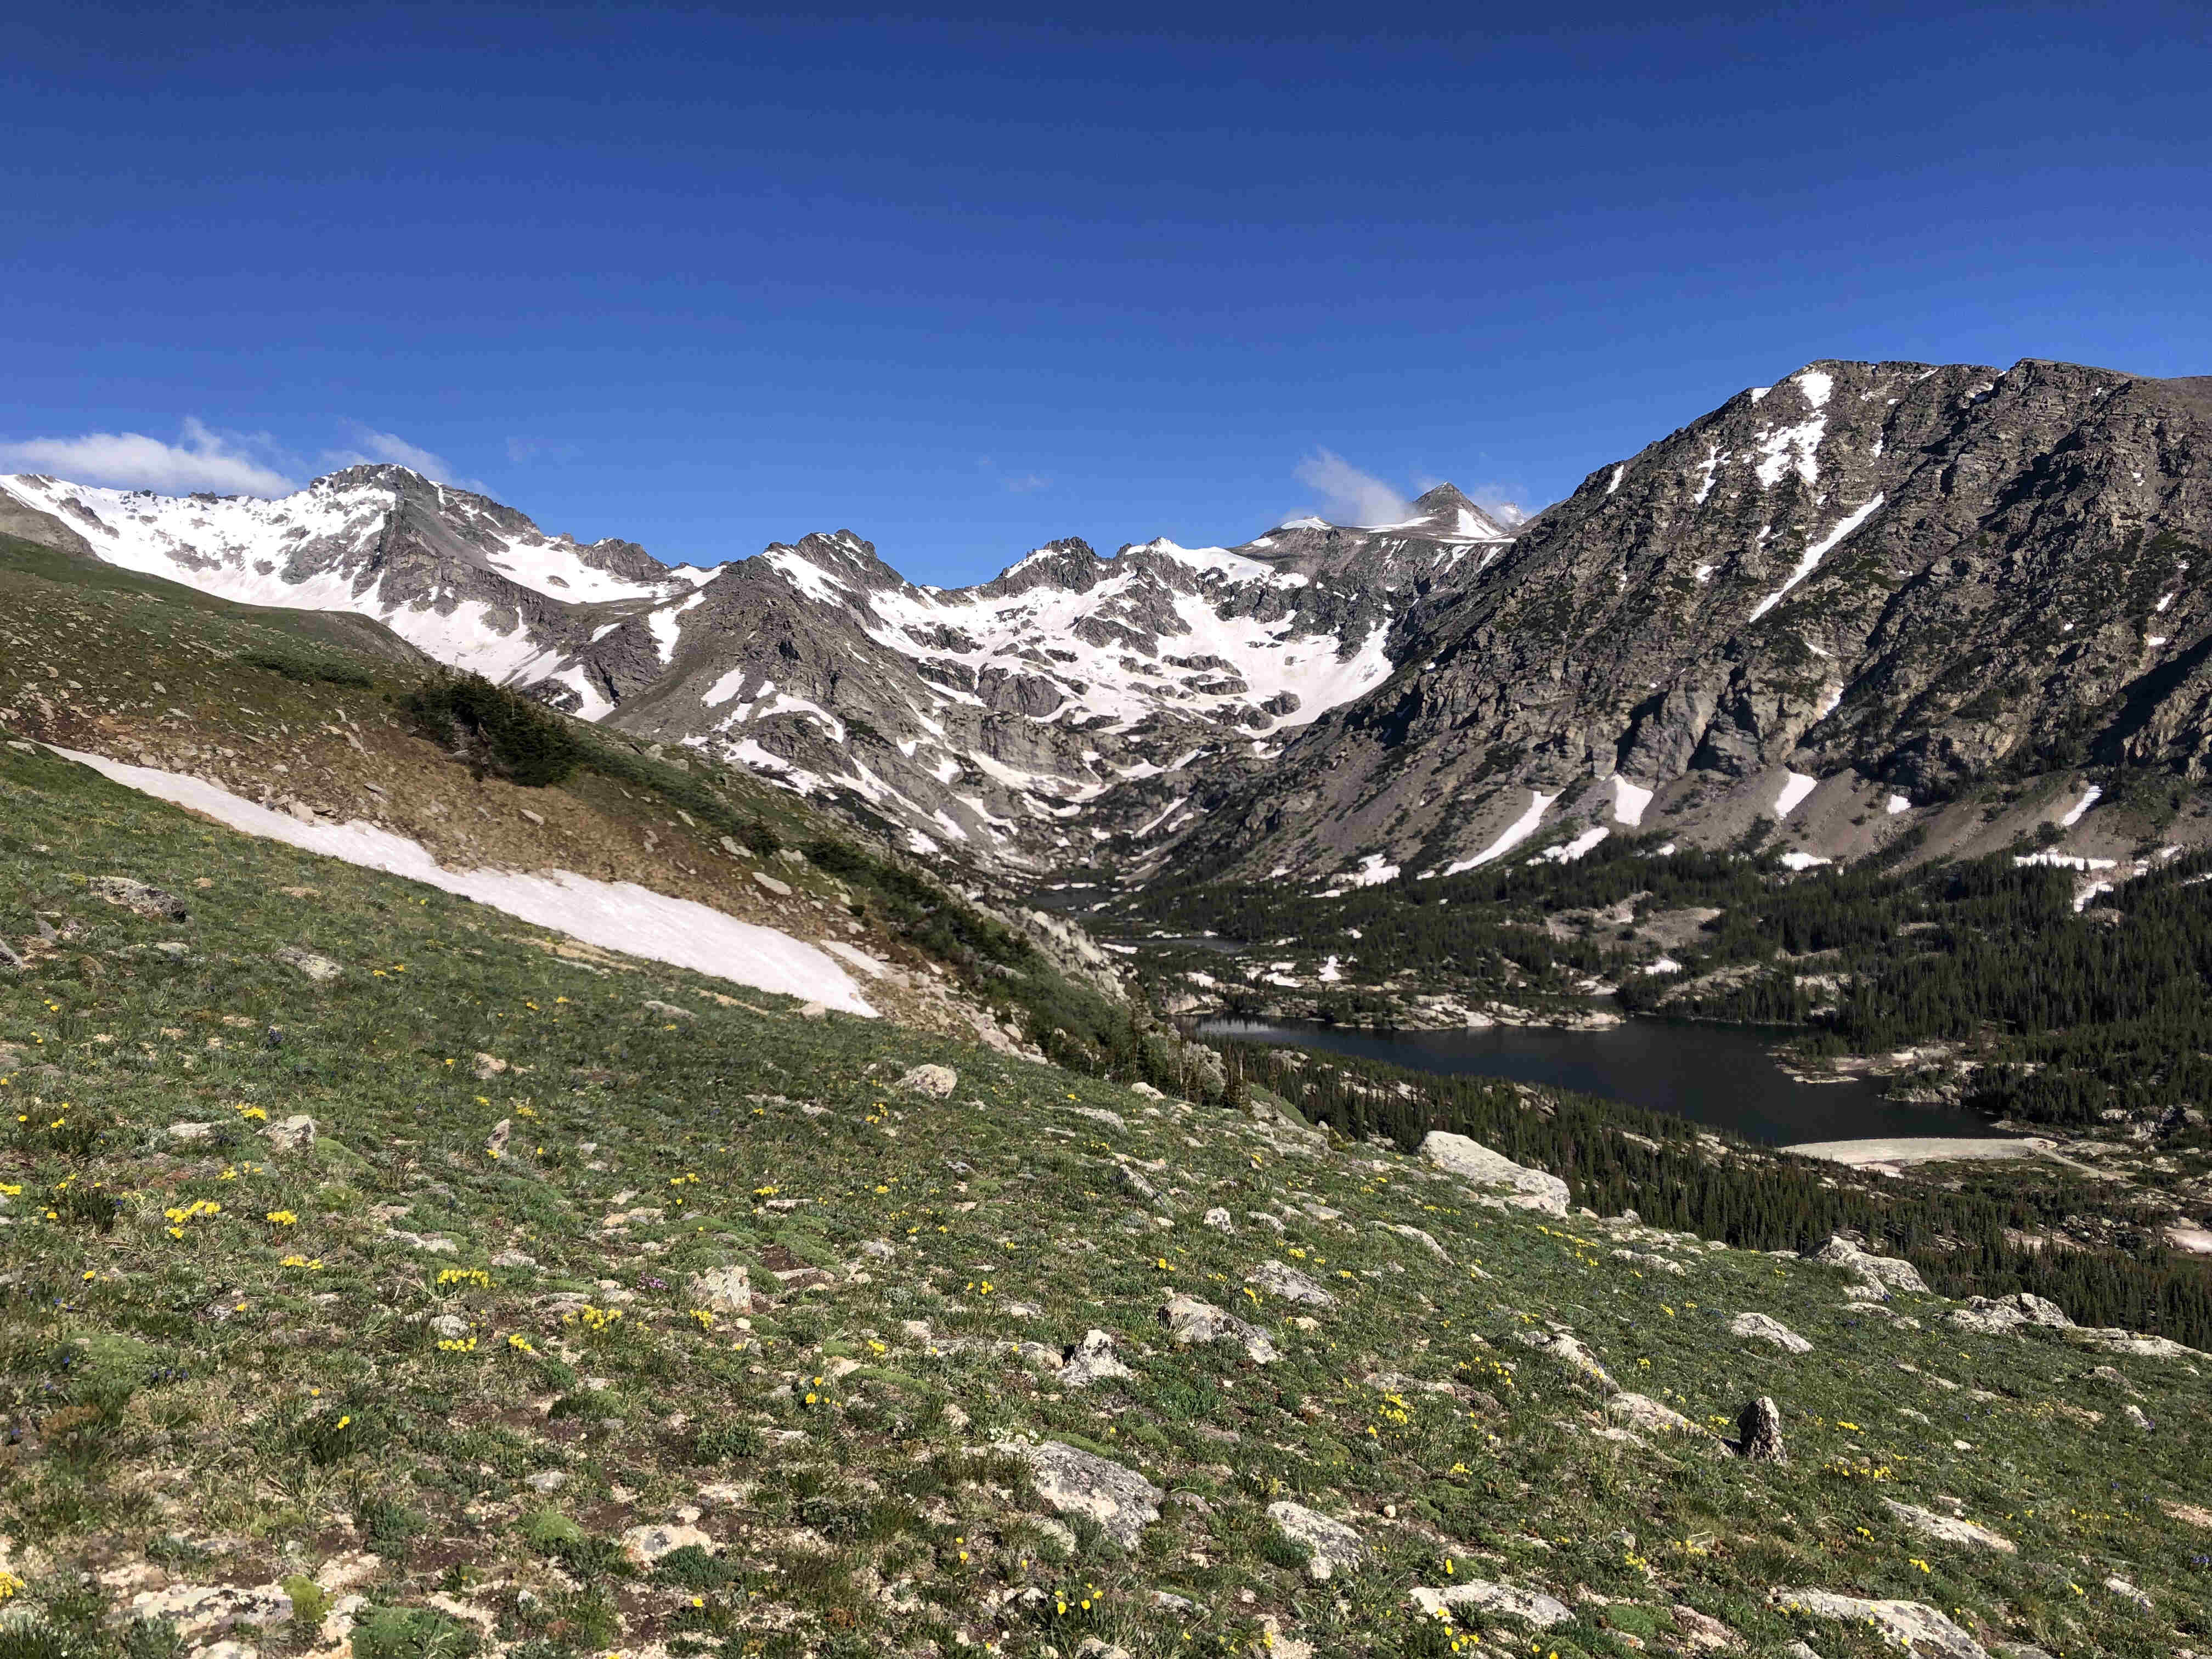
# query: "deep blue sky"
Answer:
x=707 y=281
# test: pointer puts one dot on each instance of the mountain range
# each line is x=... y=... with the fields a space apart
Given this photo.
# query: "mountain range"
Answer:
x=1834 y=605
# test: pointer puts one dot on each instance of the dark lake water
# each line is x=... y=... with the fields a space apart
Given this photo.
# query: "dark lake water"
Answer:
x=1718 y=1075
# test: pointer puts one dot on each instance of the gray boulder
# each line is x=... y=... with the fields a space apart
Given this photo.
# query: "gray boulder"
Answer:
x=1470 y=1161
x=1759 y=1432
x=1092 y=1360
x=1276 y=1278
x=1192 y=1322
x=1334 y=1547
x=1120 y=1501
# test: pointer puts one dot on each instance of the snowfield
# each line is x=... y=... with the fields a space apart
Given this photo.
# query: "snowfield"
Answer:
x=613 y=915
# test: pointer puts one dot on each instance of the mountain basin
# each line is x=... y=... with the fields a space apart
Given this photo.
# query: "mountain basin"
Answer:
x=1720 y=1076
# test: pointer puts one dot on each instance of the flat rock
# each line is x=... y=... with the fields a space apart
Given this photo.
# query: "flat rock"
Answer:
x=1948 y=1528
x=1636 y=1410
x=1996 y=1314
x=1914 y=1624
x=291 y=1135
x=138 y=897
x=1568 y=1351
x=1077 y=1482
x=1879 y=1274
x=1765 y=1327
x=1531 y=1607
x=1278 y=1279
x=320 y=969
x=1470 y=1161
x=726 y=1289
x=1334 y=1546
x=206 y=1610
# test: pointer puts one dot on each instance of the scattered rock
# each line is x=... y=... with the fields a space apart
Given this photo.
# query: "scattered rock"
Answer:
x=1334 y=1546
x=660 y=1010
x=291 y=1135
x=1767 y=1328
x=1948 y=1528
x=936 y=1080
x=138 y=897
x=2128 y=1593
x=490 y=1067
x=1191 y=1321
x=1913 y=1623
x=1531 y=1606
x=1475 y=1164
x=186 y=1133
x=1288 y=1283
x=1703 y=1632
x=1217 y=1219
x=547 y=1480
x=1425 y=1240
x=781 y=889
x=1759 y=1432
x=645 y=1545
x=1091 y=1360
x=2136 y=1418
x=726 y=1289
x=1650 y=1263
x=1075 y=1482
x=1135 y=1184
x=321 y=969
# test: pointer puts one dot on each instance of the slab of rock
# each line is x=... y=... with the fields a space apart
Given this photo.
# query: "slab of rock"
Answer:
x=1703 y=1632
x=2111 y=1339
x=1879 y=1275
x=1191 y=1321
x=939 y=1081
x=186 y=1134
x=1334 y=1546
x=138 y=897
x=1425 y=1240
x=1470 y=1161
x=726 y=1289
x=781 y=889
x=1531 y=1607
x=1651 y=1263
x=1948 y=1528
x=1767 y=1328
x=1278 y=1279
x=1759 y=1432
x=645 y=1545
x=660 y=1010
x=320 y=969
x=1217 y=1219
x=1075 y=1482
x=1914 y=1624
x=1091 y=1360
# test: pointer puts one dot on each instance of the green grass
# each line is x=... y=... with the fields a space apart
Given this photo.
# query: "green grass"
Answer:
x=241 y=1399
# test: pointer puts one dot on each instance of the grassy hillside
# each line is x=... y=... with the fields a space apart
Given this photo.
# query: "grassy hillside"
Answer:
x=465 y=1373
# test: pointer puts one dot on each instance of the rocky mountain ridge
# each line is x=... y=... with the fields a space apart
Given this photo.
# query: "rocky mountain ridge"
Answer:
x=981 y=720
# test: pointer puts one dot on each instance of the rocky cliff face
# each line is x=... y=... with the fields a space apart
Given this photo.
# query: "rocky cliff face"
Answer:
x=1835 y=599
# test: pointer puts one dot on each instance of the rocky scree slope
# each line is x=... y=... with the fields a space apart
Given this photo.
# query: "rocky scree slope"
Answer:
x=467 y=1300
x=1834 y=603
x=984 y=720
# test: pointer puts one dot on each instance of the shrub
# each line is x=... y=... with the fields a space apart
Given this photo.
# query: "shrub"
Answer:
x=305 y=667
x=497 y=730
x=412 y=1633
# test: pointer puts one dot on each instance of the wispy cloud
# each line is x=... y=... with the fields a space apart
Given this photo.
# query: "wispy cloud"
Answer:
x=525 y=451
x=1348 y=494
x=203 y=458
x=391 y=447
x=1027 y=482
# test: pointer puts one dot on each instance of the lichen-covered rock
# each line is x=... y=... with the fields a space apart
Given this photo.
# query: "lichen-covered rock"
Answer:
x=320 y=969
x=1569 y=1351
x=1278 y=1279
x=1334 y=1547
x=935 y=1080
x=138 y=897
x=1913 y=1623
x=1879 y=1275
x=200 y=1611
x=1091 y=1360
x=291 y=1135
x=645 y=1545
x=726 y=1289
x=1996 y=1314
x=1075 y=1482
x=1470 y=1161
x=1192 y=1322
x=1765 y=1327
x=1636 y=1410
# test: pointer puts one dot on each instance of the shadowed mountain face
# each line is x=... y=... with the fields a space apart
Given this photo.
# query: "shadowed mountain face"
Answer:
x=1831 y=602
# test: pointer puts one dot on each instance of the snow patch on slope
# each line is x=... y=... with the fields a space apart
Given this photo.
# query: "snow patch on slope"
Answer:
x=614 y=915
x=1810 y=559
x=1516 y=832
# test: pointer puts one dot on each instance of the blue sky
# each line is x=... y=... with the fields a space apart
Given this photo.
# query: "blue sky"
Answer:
x=963 y=283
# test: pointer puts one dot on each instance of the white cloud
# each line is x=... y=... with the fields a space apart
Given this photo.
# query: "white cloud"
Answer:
x=1503 y=503
x=202 y=460
x=1027 y=482
x=1349 y=495
x=390 y=446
